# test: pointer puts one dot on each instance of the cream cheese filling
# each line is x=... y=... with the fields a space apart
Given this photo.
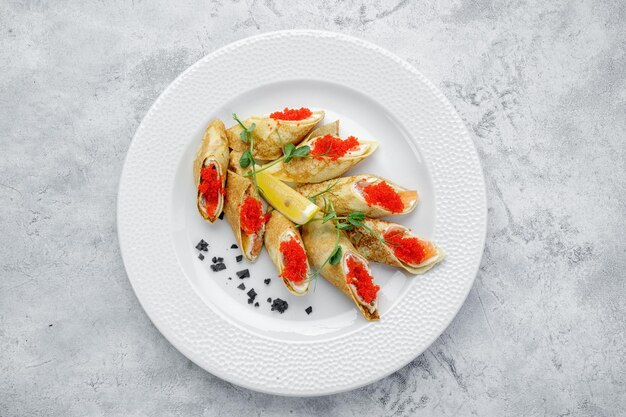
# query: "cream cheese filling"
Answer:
x=249 y=241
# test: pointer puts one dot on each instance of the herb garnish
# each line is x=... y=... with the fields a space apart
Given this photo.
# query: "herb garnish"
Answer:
x=247 y=159
x=324 y=191
x=289 y=152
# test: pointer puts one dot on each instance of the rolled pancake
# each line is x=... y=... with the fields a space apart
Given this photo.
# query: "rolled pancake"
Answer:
x=238 y=189
x=319 y=240
x=320 y=168
x=279 y=229
x=212 y=153
x=385 y=252
x=270 y=135
x=347 y=195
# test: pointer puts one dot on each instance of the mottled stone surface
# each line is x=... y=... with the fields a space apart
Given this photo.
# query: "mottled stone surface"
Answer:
x=541 y=84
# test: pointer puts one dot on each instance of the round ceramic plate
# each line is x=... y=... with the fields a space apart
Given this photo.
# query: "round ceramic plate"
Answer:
x=423 y=145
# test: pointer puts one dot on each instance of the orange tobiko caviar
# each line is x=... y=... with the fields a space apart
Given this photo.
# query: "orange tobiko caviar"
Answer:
x=382 y=194
x=251 y=216
x=294 y=260
x=210 y=187
x=409 y=249
x=333 y=147
x=292 y=114
x=359 y=276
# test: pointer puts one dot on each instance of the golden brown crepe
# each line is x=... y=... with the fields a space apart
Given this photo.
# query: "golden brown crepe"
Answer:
x=271 y=135
x=237 y=189
x=375 y=250
x=233 y=164
x=212 y=152
x=319 y=239
x=321 y=168
x=328 y=129
x=277 y=230
x=346 y=194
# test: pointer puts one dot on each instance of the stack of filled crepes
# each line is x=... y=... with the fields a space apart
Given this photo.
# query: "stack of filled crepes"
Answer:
x=332 y=242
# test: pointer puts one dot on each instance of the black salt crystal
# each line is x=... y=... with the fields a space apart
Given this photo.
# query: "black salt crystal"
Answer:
x=201 y=257
x=243 y=274
x=309 y=310
x=256 y=304
x=222 y=216
x=229 y=278
x=280 y=305
x=202 y=245
x=267 y=281
x=218 y=267
x=220 y=259
x=242 y=286
x=234 y=246
x=214 y=260
x=250 y=300
x=269 y=299
x=239 y=258
x=252 y=294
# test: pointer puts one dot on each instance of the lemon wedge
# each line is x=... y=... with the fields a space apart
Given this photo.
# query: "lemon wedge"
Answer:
x=285 y=199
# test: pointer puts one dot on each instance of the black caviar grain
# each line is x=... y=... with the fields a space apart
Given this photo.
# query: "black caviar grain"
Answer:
x=309 y=310
x=241 y=286
x=243 y=274
x=218 y=267
x=280 y=305
x=201 y=257
x=252 y=294
x=239 y=258
x=234 y=246
x=267 y=281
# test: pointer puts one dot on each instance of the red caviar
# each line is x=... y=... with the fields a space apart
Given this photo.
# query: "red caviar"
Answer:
x=382 y=194
x=210 y=187
x=294 y=260
x=333 y=147
x=251 y=216
x=409 y=249
x=292 y=114
x=359 y=276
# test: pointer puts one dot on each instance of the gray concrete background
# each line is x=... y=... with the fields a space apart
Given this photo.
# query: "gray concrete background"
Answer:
x=540 y=84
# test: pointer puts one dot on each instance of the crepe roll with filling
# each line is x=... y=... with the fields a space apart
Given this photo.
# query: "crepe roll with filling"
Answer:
x=372 y=195
x=351 y=275
x=400 y=247
x=244 y=211
x=210 y=169
x=330 y=157
x=272 y=132
x=285 y=248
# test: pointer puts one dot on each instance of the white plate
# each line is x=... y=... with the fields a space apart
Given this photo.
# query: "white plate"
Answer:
x=423 y=145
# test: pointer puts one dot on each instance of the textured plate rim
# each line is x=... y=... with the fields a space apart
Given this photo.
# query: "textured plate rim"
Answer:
x=336 y=37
